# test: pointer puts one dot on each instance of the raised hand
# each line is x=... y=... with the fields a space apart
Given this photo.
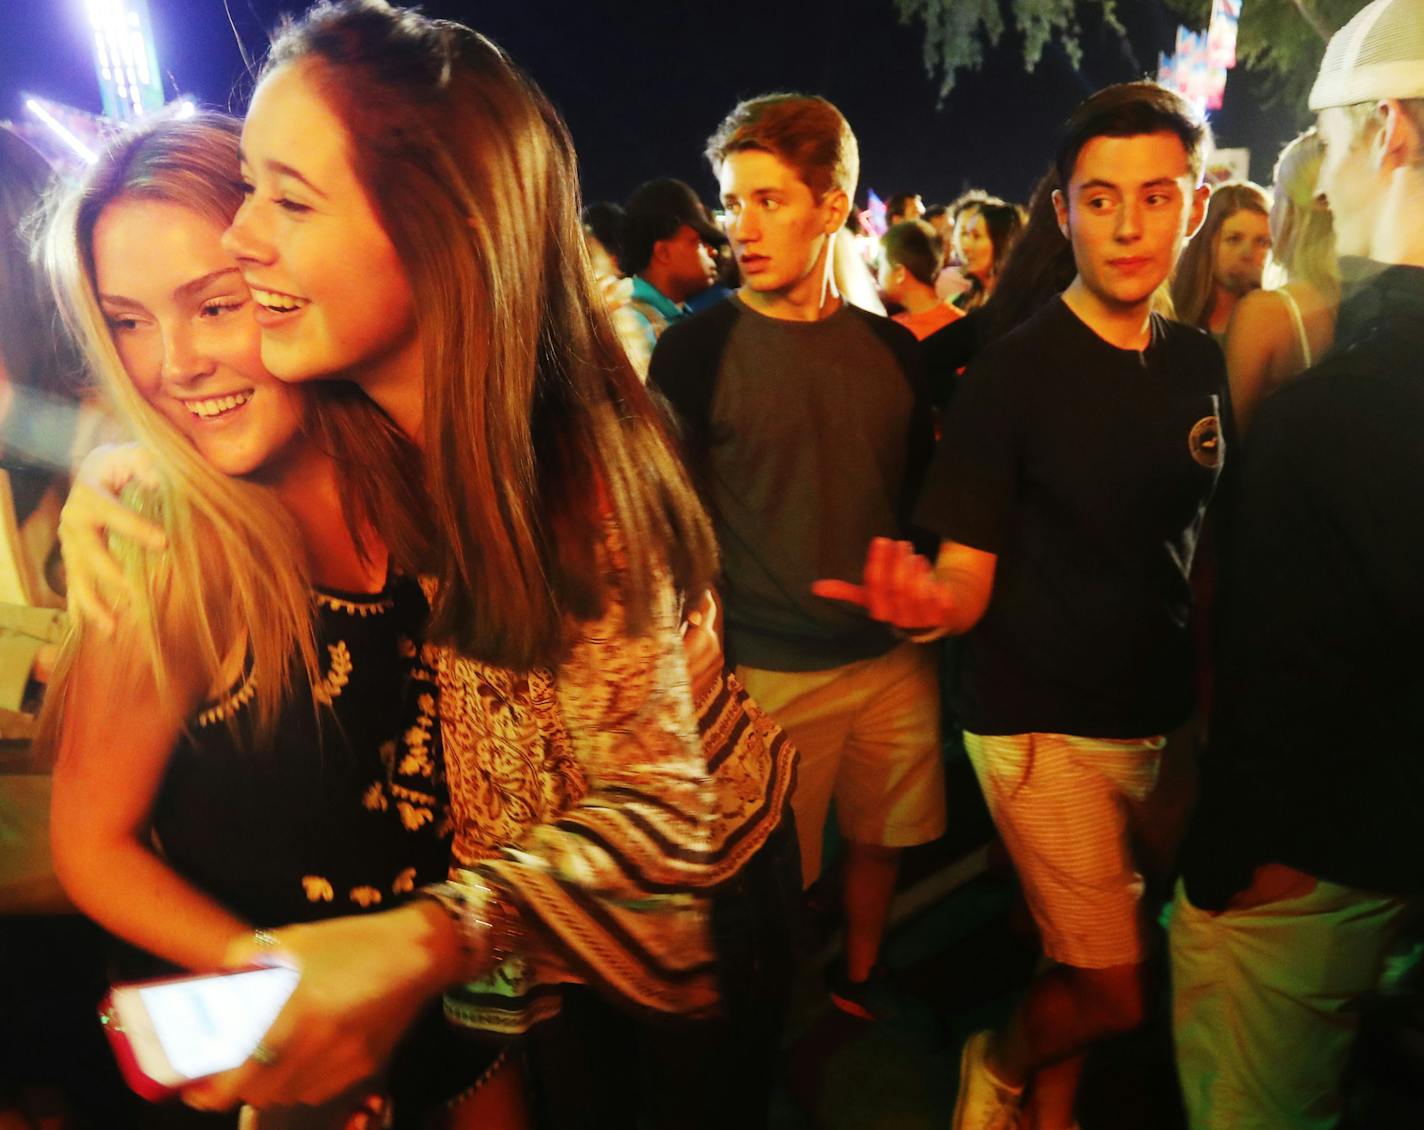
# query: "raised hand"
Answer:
x=900 y=588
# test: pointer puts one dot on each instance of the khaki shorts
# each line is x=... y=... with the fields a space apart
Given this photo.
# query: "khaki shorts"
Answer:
x=868 y=734
x=1265 y=1003
x=1060 y=804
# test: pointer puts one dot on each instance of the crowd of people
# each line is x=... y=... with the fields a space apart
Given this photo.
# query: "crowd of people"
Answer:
x=492 y=600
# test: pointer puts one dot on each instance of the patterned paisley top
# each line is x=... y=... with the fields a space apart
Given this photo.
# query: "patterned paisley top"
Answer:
x=584 y=794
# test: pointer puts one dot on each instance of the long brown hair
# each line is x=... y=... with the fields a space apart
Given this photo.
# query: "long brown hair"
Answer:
x=1003 y=224
x=538 y=431
x=1038 y=267
x=1193 y=279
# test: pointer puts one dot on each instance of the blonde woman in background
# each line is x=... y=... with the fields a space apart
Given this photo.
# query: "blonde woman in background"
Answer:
x=1275 y=335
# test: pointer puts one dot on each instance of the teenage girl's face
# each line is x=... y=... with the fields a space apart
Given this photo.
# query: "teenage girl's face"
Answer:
x=972 y=242
x=181 y=319
x=332 y=297
x=1242 y=244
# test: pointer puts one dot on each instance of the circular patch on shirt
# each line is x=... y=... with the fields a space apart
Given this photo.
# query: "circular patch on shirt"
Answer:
x=1204 y=441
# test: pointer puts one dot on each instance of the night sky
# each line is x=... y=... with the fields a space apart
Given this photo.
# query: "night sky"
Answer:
x=642 y=86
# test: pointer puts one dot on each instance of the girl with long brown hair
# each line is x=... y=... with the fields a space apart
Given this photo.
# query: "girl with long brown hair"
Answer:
x=1224 y=261
x=985 y=231
x=412 y=226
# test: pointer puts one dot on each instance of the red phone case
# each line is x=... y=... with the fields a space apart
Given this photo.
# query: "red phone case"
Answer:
x=134 y=1076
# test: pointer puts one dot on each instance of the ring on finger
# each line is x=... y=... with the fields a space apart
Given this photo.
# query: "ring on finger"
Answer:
x=264 y=1055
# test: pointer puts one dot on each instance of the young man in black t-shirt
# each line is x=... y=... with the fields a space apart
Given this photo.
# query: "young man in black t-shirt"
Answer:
x=1069 y=488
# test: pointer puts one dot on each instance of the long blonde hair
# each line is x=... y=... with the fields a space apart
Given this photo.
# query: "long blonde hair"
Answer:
x=538 y=430
x=1302 y=230
x=1192 y=282
x=234 y=573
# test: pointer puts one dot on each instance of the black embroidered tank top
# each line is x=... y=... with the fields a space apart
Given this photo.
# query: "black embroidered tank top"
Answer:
x=345 y=810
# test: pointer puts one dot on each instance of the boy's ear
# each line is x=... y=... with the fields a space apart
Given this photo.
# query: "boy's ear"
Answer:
x=838 y=203
x=1060 y=211
x=1199 y=202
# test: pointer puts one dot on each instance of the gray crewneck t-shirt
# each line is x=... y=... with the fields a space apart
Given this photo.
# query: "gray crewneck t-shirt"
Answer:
x=809 y=438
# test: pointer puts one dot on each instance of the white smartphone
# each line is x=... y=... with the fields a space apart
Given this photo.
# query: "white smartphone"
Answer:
x=170 y=1032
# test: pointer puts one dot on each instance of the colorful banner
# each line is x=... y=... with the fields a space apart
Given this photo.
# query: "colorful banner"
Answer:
x=1197 y=69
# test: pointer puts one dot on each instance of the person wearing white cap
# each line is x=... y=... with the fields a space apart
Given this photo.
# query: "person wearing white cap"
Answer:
x=1307 y=850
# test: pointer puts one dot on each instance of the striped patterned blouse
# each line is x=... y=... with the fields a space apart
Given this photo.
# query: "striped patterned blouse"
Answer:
x=587 y=795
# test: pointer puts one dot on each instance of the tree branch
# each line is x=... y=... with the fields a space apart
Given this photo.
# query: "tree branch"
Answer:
x=1313 y=20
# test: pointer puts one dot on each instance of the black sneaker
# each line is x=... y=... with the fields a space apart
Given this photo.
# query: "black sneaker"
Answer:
x=879 y=1001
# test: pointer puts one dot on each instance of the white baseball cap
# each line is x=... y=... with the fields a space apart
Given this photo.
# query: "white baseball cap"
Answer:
x=1378 y=54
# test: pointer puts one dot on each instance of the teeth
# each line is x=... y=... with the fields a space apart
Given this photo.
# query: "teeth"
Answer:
x=276 y=301
x=217 y=405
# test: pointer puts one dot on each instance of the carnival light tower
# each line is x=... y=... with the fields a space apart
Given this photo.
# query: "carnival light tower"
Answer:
x=130 y=84
x=130 y=87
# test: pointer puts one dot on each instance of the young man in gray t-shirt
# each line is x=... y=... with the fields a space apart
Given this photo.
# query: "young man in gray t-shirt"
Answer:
x=806 y=422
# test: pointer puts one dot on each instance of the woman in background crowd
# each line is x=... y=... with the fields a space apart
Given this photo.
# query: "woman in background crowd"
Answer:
x=1037 y=268
x=1224 y=261
x=984 y=234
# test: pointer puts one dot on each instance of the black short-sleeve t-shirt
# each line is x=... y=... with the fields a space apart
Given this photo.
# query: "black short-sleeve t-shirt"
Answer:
x=1087 y=470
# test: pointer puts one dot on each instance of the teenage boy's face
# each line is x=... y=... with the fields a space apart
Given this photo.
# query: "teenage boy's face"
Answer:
x=1130 y=204
x=777 y=226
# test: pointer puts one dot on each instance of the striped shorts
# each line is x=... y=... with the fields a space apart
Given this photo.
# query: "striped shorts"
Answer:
x=1060 y=804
